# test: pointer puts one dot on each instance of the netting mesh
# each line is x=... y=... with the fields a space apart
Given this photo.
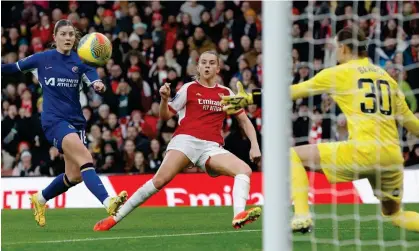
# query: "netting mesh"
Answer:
x=392 y=28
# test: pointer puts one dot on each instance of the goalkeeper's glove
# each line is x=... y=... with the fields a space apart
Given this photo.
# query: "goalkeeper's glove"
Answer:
x=233 y=104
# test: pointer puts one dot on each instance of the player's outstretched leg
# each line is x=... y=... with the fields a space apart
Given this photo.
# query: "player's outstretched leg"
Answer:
x=301 y=221
x=241 y=189
x=77 y=153
x=173 y=163
x=228 y=164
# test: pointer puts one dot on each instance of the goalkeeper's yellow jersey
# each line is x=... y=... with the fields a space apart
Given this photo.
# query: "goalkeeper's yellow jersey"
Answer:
x=370 y=99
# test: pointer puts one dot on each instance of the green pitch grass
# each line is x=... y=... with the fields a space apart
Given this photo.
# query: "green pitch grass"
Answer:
x=204 y=228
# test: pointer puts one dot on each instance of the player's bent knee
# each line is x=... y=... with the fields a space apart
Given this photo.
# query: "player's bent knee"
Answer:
x=161 y=180
x=246 y=170
x=71 y=181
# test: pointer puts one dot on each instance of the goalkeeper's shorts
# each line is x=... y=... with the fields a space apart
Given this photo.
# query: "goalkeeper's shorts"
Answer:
x=351 y=160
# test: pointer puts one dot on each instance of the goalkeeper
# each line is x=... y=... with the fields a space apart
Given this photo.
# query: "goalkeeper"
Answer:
x=372 y=104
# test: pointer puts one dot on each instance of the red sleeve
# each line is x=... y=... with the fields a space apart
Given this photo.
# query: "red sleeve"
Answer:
x=172 y=109
x=239 y=112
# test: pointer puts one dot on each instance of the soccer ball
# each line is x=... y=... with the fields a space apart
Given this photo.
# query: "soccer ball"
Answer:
x=94 y=49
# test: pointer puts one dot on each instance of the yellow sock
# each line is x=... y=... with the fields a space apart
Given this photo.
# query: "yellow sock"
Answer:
x=408 y=220
x=299 y=185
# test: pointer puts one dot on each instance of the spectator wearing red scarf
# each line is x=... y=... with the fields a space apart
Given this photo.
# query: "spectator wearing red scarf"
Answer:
x=138 y=122
x=171 y=30
x=151 y=120
x=27 y=100
x=43 y=30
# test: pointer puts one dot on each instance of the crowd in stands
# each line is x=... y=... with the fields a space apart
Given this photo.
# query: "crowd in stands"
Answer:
x=156 y=42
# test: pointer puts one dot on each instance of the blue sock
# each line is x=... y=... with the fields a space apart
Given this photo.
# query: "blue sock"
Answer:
x=92 y=182
x=57 y=187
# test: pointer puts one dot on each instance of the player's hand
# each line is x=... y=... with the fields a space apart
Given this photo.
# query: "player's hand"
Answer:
x=165 y=91
x=99 y=86
x=233 y=104
x=255 y=154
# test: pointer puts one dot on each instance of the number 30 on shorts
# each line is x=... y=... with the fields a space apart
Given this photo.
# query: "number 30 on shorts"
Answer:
x=82 y=135
x=383 y=93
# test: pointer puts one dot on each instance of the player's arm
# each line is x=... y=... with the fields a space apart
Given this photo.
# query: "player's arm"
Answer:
x=165 y=112
x=24 y=65
x=91 y=78
x=170 y=108
x=249 y=130
x=405 y=116
x=242 y=99
x=323 y=82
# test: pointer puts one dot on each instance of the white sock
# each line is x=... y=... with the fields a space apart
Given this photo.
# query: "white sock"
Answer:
x=138 y=198
x=240 y=192
x=106 y=202
x=41 y=198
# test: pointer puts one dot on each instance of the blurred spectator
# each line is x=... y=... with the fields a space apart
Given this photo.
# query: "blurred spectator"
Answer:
x=158 y=34
x=25 y=167
x=128 y=156
x=43 y=30
x=411 y=54
x=400 y=77
x=387 y=51
x=250 y=26
x=156 y=156
x=170 y=28
x=54 y=165
x=171 y=62
x=181 y=53
x=200 y=42
x=149 y=51
x=247 y=51
x=186 y=28
x=341 y=131
x=158 y=74
x=140 y=163
x=194 y=10
x=217 y=13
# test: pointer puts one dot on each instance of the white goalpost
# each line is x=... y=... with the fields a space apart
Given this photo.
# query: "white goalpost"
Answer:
x=350 y=217
x=276 y=128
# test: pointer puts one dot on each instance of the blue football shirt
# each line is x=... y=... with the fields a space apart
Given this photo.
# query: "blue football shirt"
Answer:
x=61 y=78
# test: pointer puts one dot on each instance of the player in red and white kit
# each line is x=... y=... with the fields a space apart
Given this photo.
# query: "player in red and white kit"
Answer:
x=198 y=141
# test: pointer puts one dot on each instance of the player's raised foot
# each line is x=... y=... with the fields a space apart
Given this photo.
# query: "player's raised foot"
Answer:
x=246 y=217
x=116 y=202
x=38 y=210
x=105 y=224
x=302 y=224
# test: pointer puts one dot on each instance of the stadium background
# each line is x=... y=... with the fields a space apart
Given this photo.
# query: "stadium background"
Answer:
x=156 y=42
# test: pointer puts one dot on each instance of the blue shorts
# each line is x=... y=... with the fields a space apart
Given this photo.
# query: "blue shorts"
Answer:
x=55 y=131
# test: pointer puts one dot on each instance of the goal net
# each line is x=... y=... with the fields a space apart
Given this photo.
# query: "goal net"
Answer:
x=348 y=216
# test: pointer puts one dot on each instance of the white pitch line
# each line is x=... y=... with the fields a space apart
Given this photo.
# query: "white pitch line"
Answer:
x=131 y=237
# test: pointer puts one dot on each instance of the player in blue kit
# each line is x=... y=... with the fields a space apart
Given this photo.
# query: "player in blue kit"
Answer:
x=61 y=74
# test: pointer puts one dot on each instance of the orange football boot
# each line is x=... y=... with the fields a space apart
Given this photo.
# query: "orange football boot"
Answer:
x=105 y=224
x=246 y=217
